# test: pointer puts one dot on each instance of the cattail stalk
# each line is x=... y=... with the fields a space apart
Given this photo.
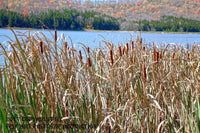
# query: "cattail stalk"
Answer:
x=111 y=57
x=144 y=73
x=41 y=47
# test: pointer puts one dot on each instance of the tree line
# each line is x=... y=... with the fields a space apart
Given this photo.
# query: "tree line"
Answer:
x=170 y=24
x=71 y=19
x=66 y=19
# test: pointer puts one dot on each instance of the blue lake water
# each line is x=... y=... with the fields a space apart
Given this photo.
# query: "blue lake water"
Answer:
x=94 y=38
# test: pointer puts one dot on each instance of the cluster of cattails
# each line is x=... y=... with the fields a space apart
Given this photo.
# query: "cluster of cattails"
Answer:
x=41 y=47
x=111 y=56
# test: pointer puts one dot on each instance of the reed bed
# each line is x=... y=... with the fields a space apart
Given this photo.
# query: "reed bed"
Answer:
x=131 y=87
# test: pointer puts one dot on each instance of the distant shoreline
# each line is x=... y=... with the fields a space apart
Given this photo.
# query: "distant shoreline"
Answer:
x=90 y=30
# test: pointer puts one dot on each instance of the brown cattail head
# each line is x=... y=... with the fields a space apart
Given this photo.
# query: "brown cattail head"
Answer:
x=65 y=46
x=143 y=48
x=88 y=50
x=123 y=51
x=89 y=62
x=55 y=35
x=140 y=40
x=112 y=45
x=157 y=56
x=188 y=56
x=160 y=54
x=80 y=55
x=111 y=57
x=41 y=47
x=127 y=47
x=144 y=73
x=173 y=54
x=65 y=43
x=120 y=52
x=132 y=44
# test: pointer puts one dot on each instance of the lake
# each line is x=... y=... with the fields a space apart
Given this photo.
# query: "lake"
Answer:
x=94 y=38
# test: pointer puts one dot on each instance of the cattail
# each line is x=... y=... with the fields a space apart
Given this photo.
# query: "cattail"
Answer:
x=132 y=43
x=111 y=57
x=80 y=55
x=65 y=46
x=188 y=56
x=143 y=48
x=161 y=54
x=65 y=43
x=127 y=47
x=89 y=62
x=112 y=46
x=123 y=51
x=55 y=35
x=187 y=46
x=41 y=47
x=88 y=50
x=120 y=52
x=157 y=57
x=66 y=111
x=144 y=73
x=173 y=55
x=140 y=40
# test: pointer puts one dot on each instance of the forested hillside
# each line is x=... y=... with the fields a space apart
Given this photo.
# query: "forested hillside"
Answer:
x=59 y=19
x=127 y=9
x=134 y=15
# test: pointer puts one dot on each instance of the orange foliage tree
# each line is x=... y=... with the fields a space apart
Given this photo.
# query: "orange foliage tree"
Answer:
x=51 y=1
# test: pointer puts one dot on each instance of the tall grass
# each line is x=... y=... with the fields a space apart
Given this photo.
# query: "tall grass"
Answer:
x=135 y=87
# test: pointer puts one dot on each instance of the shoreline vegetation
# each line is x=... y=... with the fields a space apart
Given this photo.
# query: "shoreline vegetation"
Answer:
x=130 y=87
x=71 y=19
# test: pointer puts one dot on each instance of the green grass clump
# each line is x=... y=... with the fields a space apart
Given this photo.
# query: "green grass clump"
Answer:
x=135 y=87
